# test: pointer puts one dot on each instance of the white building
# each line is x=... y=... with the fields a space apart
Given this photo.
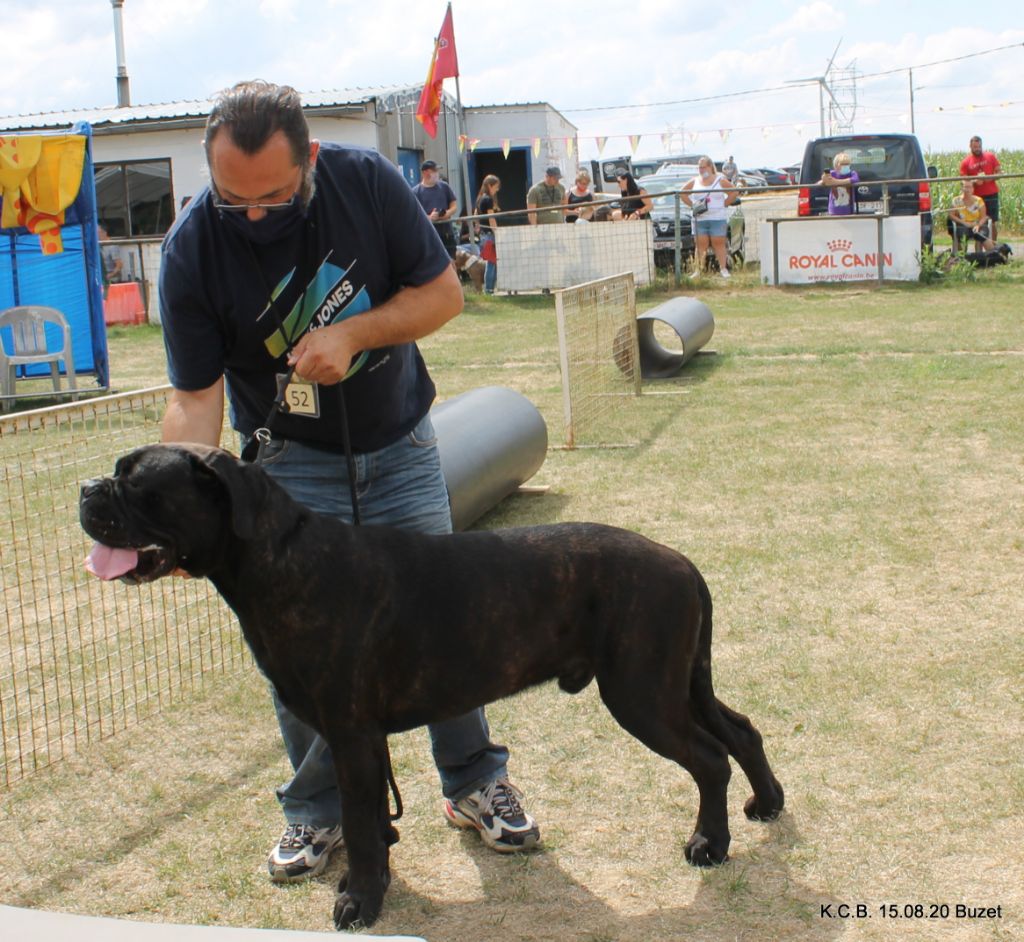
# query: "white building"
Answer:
x=149 y=158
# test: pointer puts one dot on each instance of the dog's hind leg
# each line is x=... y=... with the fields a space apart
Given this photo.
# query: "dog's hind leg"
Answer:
x=673 y=734
x=732 y=729
x=744 y=743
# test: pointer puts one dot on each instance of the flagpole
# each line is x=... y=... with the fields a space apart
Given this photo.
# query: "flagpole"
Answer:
x=467 y=200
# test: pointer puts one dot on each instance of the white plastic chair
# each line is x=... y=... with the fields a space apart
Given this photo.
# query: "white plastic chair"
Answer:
x=27 y=325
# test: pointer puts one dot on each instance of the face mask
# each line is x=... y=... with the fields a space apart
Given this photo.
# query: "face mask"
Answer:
x=273 y=227
x=844 y=170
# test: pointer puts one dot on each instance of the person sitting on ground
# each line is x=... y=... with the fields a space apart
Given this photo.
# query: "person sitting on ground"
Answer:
x=841 y=180
x=968 y=219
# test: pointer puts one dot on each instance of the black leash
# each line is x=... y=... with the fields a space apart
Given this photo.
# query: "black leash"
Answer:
x=263 y=434
x=263 y=437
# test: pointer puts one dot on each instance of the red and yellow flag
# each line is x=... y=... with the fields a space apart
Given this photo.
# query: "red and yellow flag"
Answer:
x=444 y=63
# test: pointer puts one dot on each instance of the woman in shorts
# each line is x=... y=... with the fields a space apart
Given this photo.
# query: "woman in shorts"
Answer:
x=710 y=224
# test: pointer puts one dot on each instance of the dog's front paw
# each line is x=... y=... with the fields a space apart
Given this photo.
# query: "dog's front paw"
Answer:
x=352 y=911
x=704 y=852
x=356 y=908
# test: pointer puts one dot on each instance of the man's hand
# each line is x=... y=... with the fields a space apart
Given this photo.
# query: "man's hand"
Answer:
x=323 y=356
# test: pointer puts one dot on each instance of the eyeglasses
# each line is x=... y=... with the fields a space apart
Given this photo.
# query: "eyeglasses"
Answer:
x=245 y=207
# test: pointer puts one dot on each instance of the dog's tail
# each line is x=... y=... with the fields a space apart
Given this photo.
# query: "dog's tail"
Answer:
x=702 y=690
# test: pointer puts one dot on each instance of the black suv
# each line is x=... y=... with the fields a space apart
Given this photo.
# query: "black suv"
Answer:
x=875 y=157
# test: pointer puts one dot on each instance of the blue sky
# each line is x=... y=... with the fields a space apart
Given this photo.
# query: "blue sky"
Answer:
x=614 y=69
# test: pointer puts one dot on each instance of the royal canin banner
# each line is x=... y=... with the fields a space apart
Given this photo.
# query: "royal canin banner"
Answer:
x=833 y=249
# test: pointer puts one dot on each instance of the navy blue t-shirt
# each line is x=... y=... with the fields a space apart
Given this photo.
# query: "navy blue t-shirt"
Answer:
x=364 y=237
x=439 y=196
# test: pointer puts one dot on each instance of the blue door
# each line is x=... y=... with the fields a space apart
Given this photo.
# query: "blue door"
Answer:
x=409 y=163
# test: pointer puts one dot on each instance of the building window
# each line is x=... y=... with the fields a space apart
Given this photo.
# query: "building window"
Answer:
x=134 y=200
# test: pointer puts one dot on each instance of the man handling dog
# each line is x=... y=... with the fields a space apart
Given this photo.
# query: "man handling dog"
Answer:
x=301 y=265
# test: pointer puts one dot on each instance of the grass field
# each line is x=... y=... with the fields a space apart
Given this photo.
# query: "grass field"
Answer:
x=846 y=469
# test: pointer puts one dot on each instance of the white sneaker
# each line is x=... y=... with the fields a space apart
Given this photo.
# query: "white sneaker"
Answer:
x=694 y=275
x=725 y=273
x=302 y=852
x=497 y=813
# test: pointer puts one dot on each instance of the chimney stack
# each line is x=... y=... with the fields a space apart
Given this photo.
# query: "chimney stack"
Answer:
x=123 y=95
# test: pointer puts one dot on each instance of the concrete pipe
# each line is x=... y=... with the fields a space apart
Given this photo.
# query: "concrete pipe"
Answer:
x=491 y=441
x=693 y=323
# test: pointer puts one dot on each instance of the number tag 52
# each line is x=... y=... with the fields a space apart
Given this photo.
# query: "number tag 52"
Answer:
x=300 y=397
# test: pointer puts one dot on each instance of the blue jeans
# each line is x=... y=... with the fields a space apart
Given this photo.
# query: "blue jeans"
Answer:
x=401 y=485
x=491 y=271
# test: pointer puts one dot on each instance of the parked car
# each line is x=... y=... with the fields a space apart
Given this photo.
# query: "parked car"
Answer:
x=662 y=186
x=749 y=180
x=876 y=158
x=773 y=177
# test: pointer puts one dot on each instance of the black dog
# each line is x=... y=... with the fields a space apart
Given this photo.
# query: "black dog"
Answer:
x=366 y=631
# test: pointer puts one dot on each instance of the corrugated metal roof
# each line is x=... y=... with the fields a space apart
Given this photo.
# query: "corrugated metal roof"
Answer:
x=178 y=110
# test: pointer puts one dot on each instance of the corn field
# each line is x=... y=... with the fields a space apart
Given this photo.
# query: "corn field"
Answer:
x=1011 y=192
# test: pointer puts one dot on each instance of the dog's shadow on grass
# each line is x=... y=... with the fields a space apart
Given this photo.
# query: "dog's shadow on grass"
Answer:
x=534 y=896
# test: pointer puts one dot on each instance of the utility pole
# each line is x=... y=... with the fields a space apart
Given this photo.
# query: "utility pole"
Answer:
x=910 y=74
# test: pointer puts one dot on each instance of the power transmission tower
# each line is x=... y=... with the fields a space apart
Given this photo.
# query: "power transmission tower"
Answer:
x=841 y=85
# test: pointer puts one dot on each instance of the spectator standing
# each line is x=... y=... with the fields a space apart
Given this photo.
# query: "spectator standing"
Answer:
x=318 y=257
x=117 y=264
x=545 y=199
x=983 y=162
x=487 y=206
x=580 y=192
x=439 y=203
x=730 y=170
x=710 y=221
x=841 y=180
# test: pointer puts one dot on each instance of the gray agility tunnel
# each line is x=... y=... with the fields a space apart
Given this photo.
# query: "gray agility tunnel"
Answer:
x=491 y=440
x=693 y=324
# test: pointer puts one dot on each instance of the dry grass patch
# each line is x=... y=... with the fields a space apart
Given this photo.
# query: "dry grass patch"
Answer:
x=847 y=473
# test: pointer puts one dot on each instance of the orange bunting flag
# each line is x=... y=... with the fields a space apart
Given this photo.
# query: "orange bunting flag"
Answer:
x=536 y=147
x=634 y=142
x=462 y=142
x=568 y=146
x=444 y=63
x=601 y=141
x=506 y=146
x=473 y=143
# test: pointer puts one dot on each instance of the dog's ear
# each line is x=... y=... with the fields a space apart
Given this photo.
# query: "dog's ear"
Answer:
x=245 y=486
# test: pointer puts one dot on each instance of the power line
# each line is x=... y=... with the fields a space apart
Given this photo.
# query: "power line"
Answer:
x=787 y=86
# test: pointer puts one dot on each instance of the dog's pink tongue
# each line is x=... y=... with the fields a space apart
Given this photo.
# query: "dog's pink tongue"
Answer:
x=107 y=562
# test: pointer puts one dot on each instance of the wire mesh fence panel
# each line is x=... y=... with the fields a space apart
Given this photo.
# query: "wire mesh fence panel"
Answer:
x=82 y=660
x=757 y=210
x=600 y=360
x=549 y=257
